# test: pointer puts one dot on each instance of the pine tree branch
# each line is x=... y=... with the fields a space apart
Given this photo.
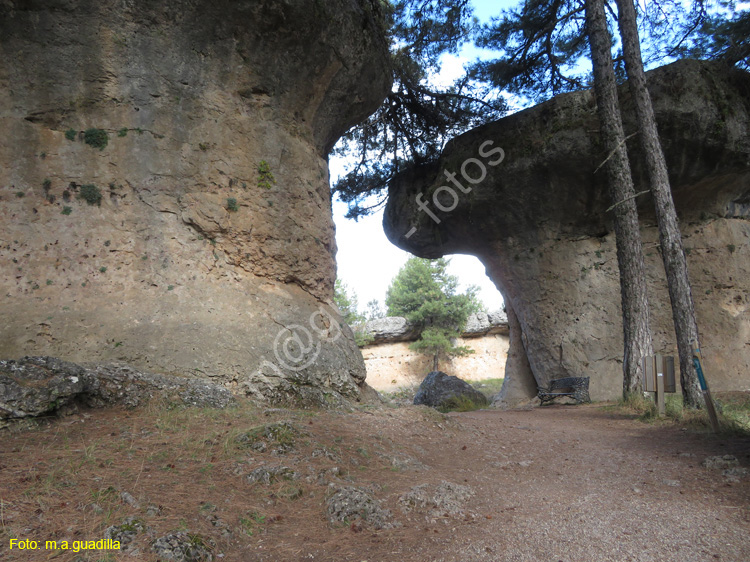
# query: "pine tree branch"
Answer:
x=611 y=154
x=627 y=199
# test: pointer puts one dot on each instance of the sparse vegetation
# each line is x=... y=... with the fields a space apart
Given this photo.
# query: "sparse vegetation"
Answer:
x=91 y=194
x=47 y=185
x=102 y=269
x=731 y=248
x=266 y=178
x=733 y=407
x=187 y=472
x=20 y=194
x=71 y=134
x=488 y=387
x=66 y=210
x=232 y=205
x=97 y=138
x=348 y=307
x=123 y=132
x=460 y=404
x=251 y=521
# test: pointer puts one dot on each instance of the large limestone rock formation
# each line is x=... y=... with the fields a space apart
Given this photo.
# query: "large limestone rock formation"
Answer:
x=164 y=185
x=536 y=213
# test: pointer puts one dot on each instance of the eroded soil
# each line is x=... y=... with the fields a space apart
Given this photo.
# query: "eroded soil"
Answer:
x=555 y=483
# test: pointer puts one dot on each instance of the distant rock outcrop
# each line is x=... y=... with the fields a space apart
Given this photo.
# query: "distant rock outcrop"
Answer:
x=164 y=185
x=524 y=194
x=397 y=328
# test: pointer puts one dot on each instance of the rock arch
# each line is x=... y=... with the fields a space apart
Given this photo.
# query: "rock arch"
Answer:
x=539 y=223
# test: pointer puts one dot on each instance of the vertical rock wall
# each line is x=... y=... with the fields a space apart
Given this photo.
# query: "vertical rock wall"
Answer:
x=164 y=184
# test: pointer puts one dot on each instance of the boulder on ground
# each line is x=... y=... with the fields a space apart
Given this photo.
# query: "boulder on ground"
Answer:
x=35 y=386
x=444 y=391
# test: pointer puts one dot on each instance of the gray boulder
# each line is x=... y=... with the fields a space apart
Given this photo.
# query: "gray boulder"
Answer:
x=34 y=386
x=398 y=328
x=443 y=391
x=483 y=323
x=391 y=328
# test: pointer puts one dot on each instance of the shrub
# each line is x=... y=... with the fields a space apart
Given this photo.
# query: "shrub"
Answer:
x=460 y=403
x=97 y=138
x=123 y=132
x=47 y=185
x=232 y=204
x=67 y=210
x=91 y=194
x=70 y=134
x=265 y=177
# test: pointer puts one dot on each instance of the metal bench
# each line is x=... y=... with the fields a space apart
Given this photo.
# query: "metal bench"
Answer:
x=576 y=387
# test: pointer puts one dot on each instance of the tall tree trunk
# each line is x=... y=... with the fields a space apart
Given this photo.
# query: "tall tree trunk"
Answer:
x=675 y=263
x=635 y=313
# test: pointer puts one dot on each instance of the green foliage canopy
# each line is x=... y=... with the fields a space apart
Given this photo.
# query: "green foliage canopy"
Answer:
x=427 y=296
x=416 y=119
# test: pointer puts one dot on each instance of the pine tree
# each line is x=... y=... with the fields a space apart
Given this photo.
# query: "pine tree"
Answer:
x=348 y=306
x=673 y=254
x=543 y=48
x=416 y=119
x=635 y=313
x=427 y=296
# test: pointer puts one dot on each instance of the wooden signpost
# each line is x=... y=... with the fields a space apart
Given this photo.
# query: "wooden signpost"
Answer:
x=658 y=372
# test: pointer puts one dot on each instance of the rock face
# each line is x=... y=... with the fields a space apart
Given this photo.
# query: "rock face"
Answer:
x=397 y=328
x=392 y=365
x=390 y=329
x=35 y=386
x=440 y=390
x=164 y=185
x=526 y=198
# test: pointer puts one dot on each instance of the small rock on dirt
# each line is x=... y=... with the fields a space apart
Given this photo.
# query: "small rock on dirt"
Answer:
x=725 y=461
x=268 y=474
x=349 y=503
x=125 y=532
x=183 y=547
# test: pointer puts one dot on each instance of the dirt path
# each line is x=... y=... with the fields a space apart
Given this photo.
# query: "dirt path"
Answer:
x=571 y=484
x=557 y=483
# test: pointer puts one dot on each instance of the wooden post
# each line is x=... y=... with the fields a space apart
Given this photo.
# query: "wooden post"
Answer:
x=661 y=402
x=697 y=359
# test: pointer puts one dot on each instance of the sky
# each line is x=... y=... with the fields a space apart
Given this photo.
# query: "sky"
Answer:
x=367 y=261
